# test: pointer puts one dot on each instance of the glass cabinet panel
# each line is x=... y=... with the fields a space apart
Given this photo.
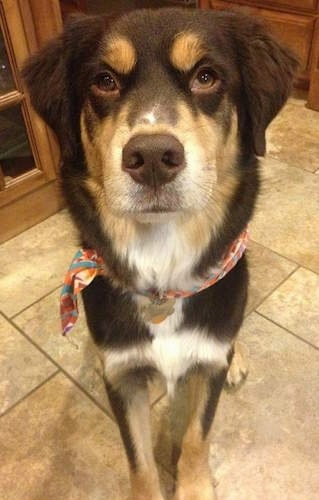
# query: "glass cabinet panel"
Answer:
x=15 y=153
x=29 y=155
x=6 y=80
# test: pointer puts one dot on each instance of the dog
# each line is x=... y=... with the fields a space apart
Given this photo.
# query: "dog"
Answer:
x=161 y=117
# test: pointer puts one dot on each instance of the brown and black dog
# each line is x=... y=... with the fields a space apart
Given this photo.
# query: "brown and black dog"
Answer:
x=160 y=119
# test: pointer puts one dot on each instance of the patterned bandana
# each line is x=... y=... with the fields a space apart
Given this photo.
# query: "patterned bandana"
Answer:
x=87 y=264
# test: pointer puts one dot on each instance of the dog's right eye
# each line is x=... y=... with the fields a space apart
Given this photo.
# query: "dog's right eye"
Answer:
x=204 y=81
x=106 y=82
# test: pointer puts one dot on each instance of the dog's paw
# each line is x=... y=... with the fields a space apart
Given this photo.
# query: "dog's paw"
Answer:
x=238 y=369
x=147 y=496
x=198 y=491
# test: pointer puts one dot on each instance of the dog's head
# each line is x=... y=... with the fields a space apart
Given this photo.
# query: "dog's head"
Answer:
x=156 y=110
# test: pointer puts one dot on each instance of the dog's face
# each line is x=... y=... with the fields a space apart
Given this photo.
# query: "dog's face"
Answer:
x=162 y=104
x=157 y=120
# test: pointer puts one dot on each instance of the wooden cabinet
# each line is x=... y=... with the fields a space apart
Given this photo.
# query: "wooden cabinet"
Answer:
x=29 y=155
x=297 y=5
x=296 y=23
x=113 y=8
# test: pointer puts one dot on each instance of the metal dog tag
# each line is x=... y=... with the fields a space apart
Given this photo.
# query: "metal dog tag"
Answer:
x=156 y=312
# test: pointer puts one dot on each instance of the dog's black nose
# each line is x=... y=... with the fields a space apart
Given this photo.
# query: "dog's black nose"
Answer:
x=153 y=159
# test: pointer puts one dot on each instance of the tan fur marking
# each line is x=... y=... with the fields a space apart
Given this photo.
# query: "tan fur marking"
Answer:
x=120 y=55
x=145 y=483
x=92 y=156
x=221 y=180
x=238 y=369
x=121 y=230
x=186 y=51
x=194 y=476
x=197 y=226
x=145 y=486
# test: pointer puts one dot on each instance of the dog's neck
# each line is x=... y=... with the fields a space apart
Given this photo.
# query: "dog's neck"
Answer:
x=161 y=255
x=156 y=302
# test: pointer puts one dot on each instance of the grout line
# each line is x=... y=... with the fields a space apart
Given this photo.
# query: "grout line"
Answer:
x=286 y=162
x=273 y=251
x=60 y=368
x=35 y=302
x=30 y=393
x=289 y=259
x=158 y=399
x=272 y=291
x=288 y=331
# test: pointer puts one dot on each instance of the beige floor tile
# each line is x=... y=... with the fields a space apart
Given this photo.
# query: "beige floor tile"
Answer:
x=293 y=136
x=287 y=217
x=58 y=444
x=75 y=353
x=34 y=262
x=266 y=435
x=266 y=271
x=261 y=449
x=294 y=305
x=22 y=366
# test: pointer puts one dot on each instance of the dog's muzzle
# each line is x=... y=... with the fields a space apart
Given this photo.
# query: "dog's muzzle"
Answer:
x=153 y=159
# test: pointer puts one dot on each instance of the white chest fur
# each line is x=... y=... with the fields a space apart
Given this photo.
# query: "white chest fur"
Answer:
x=162 y=258
x=172 y=351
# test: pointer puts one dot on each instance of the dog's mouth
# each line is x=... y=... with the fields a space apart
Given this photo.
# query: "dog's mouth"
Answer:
x=156 y=216
x=157 y=210
x=154 y=213
x=156 y=200
x=154 y=207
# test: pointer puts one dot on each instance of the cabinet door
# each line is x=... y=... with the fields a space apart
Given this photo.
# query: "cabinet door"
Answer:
x=29 y=157
x=295 y=31
x=297 y=6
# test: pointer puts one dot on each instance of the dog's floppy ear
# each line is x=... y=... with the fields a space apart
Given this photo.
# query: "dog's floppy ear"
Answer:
x=51 y=76
x=267 y=70
x=46 y=80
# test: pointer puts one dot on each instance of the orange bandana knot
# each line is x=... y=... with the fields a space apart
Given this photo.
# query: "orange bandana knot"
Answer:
x=85 y=266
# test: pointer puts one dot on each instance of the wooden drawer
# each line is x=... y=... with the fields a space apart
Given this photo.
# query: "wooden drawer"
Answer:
x=295 y=31
x=298 y=5
x=302 y=6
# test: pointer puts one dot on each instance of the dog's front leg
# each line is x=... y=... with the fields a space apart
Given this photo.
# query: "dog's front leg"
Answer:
x=194 y=480
x=130 y=405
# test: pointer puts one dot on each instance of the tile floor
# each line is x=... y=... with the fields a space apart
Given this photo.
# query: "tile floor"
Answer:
x=57 y=435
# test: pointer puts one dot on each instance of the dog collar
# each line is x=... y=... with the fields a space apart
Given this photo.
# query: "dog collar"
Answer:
x=87 y=264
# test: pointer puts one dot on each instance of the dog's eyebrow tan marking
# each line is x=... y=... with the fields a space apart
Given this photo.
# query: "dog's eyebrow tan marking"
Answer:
x=187 y=49
x=120 y=54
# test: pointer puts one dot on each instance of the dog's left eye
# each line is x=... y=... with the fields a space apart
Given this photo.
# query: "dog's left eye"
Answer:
x=203 y=81
x=105 y=82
